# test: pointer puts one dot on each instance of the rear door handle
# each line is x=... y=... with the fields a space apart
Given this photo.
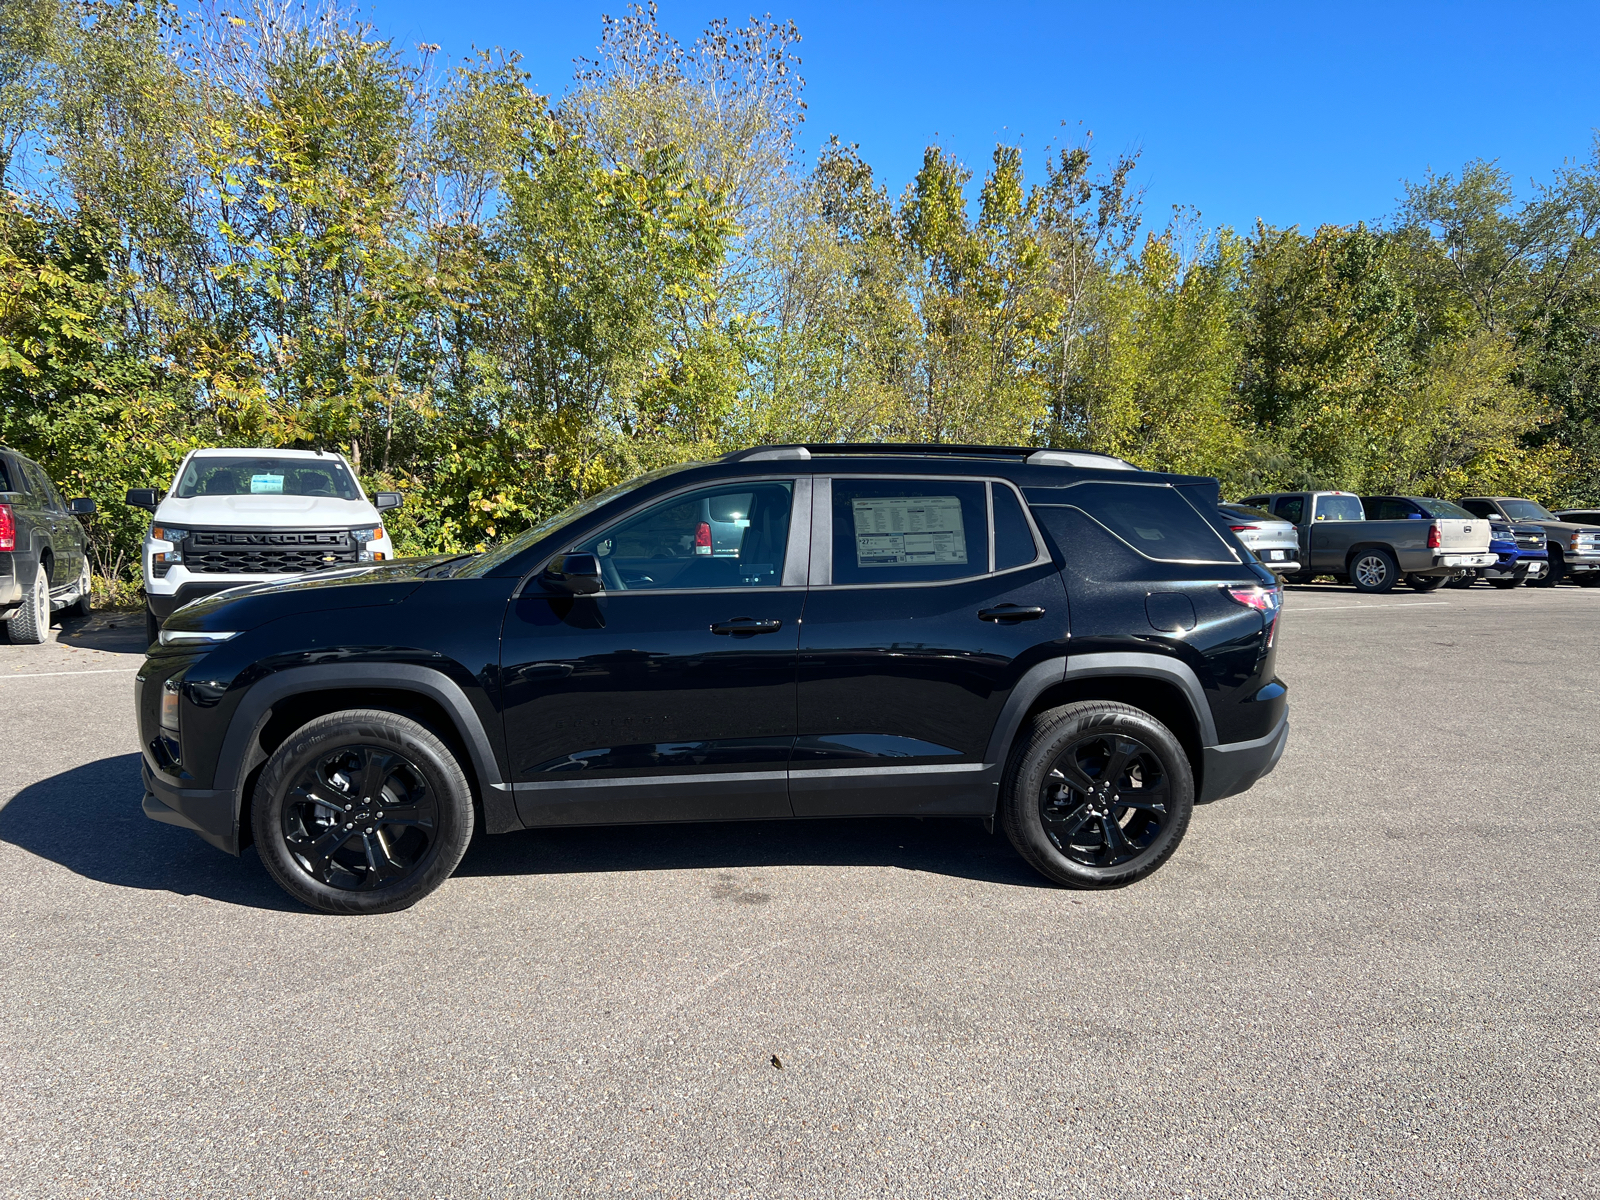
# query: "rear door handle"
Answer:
x=746 y=626
x=1011 y=612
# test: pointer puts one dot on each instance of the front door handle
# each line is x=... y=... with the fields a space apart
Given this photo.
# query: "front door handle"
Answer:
x=746 y=626
x=1011 y=612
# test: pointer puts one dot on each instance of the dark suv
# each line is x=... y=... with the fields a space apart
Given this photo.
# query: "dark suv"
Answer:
x=44 y=554
x=891 y=637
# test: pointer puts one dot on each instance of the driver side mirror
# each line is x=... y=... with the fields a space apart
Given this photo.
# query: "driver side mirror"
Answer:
x=81 y=507
x=386 y=500
x=146 y=498
x=578 y=574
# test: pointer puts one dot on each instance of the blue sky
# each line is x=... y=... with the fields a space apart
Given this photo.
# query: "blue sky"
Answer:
x=1299 y=114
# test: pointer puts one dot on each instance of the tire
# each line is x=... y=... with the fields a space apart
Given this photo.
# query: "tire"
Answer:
x=1505 y=585
x=30 y=624
x=1463 y=581
x=1555 y=572
x=1299 y=577
x=152 y=627
x=81 y=606
x=320 y=771
x=1050 y=784
x=1587 y=579
x=1426 y=583
x=1374 y=571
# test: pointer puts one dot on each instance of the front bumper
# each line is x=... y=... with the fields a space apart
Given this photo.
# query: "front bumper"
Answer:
x=211 y=814
x=164 y=604
x=1577 y=563
x=1237 y=766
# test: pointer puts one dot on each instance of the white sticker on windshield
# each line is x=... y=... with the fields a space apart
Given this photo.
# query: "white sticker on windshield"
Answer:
x=260 y=484
x=909 y=531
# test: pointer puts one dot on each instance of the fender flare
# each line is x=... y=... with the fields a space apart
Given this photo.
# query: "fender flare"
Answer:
x=255 y=708
x=1119 y=664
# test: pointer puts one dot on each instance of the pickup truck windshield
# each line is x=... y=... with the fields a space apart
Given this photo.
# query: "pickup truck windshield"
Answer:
x=241 y=476
x=1339 y=508
x=1526 y=510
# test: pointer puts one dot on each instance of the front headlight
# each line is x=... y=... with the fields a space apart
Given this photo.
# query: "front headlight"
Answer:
x=166 y=533
x=195 y=637
x=363 y=537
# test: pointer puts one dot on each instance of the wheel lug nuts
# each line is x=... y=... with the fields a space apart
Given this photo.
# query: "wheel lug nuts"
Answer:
x=369 y=828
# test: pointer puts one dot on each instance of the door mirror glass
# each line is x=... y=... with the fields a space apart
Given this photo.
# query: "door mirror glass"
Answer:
x=386 y=500
x=578 y=574
x=81 y=507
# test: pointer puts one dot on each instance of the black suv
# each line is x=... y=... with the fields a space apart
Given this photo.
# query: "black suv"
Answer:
x=1077 y=646
x=44 y=555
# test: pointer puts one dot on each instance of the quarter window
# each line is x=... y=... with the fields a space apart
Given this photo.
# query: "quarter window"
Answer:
x=1153 y=519
x=724 y=537
x=909 y=530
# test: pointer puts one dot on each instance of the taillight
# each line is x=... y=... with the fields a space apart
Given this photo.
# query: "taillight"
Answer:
x=8 y=528
x=702 y=538
x=1243 y=528
x=1433 y=537
x=1262 y=599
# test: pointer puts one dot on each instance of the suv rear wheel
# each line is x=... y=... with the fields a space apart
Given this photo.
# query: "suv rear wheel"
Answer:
x=1374 y=571
x=361 y=812
x=1098 y=794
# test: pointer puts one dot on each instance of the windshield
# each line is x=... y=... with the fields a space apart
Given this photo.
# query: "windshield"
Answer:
x=1526 y=510
x=505 y=551
x=1339 y=508
x=1441 y=508
x=214 y=475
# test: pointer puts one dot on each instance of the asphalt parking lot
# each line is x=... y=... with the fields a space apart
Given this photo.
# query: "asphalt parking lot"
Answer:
x=1373 y=975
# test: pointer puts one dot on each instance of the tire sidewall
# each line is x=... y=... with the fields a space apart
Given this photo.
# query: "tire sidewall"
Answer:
x=1025 y=825
x=323 y=736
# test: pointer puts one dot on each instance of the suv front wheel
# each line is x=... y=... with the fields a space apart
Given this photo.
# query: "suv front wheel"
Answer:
x=1099 y=794
x=361 y=812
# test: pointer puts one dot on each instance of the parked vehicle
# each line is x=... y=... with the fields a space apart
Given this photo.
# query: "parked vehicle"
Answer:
x=241 y=516
x=1520 y=555
x=1272 y=540
x=44 y=553
x=1424 y=508
x=1579 y=516
x=1574 y=548
x=1339 y=538
x=358 y=725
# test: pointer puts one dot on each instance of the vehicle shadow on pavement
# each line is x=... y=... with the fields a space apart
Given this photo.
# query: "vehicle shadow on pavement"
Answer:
x=88 y=819
x=939 y=846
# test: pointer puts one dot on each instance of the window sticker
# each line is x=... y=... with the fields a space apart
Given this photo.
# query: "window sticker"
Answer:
x=908 y=531
x=265 y=484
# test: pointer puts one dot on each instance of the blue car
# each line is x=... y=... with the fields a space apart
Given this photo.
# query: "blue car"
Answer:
x=1520 y=552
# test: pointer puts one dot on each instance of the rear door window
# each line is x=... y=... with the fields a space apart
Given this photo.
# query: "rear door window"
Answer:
x=1013 y=537
x=1153 y=519
x=1292 y=509
x=909 y=530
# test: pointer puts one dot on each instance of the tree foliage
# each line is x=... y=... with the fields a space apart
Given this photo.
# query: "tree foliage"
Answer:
x=277 y=225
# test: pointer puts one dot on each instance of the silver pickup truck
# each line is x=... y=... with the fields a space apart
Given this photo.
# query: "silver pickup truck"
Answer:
x=1434 y=542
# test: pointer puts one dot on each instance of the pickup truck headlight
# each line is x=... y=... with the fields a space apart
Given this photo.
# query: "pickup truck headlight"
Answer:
x=364 y=537
x=166 y=533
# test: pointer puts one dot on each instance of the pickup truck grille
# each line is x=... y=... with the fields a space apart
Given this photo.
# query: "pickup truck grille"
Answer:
x=1529 y=541
x=260 y=552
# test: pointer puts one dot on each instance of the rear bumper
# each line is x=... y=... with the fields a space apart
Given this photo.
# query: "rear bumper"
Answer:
x=1458 y=561
x=1237 y=766
x=208 y=813
x=10 y=582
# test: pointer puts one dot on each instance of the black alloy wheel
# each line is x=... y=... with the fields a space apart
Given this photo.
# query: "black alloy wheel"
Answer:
x=1099 y=794
x=362 y=812
x=1373 y=571
x=360 y=818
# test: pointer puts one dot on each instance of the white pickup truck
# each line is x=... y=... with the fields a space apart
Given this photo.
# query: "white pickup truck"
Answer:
x=242 y=516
